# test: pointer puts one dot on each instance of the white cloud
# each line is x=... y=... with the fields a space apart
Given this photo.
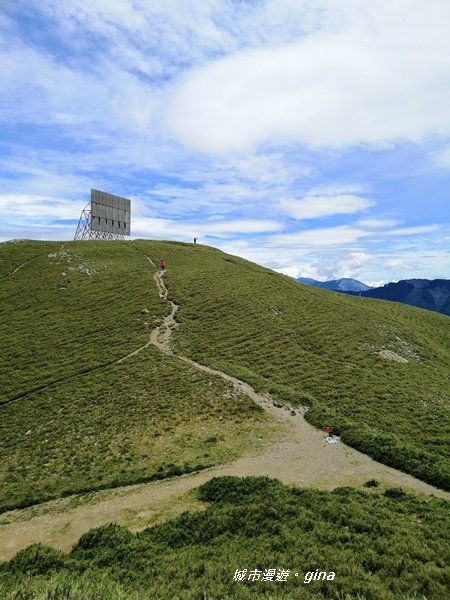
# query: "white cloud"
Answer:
x=395 y=263
x=376 y=284
x=265 y=170
x=256 y=250
x=418 y=230
x=294 y=272
x=377 y=223
x=208 y=199
x=442 y=158
x=331 y=266
x=351 y=265
x=375 y=74
x=425 y=258
x=327 y=262
x=311 y=207
x=345 y=234
x=183 y=32
x=165 y=228
x=73 y=96
x=320 y=236
x=334 y=189
x=35 y=231
x=40 y=209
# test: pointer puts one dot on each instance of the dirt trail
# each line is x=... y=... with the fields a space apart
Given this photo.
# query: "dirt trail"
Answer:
x=301 y=456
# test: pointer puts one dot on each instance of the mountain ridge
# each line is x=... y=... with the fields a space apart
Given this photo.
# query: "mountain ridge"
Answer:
x=430 y=294
x=344 y=284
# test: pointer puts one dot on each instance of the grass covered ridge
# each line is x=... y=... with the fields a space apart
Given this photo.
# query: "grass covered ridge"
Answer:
x=72 y=419
x=382 y=545
x=312 y=347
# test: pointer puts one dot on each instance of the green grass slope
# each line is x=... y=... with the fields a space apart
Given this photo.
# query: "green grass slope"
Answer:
x=385 y=545
x=70 y=310
x=308 y=346
x=71 y=418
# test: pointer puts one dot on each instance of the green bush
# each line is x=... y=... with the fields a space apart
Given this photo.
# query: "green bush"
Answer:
x=103 y=538
x=234 y=490
x=38 y=560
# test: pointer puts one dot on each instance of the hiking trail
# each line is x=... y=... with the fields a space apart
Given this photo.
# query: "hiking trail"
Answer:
x=301 y=456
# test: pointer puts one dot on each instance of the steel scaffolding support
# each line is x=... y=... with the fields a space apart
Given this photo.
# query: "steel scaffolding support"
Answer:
x=84 y=231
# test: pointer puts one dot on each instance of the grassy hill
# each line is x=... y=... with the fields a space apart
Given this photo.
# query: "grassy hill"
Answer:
x=75 y=416
x=308 y=347
x=74 y=419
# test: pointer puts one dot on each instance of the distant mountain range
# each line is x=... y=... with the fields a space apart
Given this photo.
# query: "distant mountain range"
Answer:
x=338 y=285
x=425 y=293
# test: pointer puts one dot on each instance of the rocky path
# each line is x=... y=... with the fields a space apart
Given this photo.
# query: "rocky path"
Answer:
x=301 y=456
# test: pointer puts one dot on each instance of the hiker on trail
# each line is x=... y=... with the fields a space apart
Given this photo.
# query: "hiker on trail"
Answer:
x=162 y=264
x=195 y=240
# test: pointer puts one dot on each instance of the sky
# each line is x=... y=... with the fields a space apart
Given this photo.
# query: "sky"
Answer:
x=309 y=136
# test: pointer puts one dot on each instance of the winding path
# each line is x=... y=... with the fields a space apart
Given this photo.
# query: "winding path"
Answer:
x=301 y=456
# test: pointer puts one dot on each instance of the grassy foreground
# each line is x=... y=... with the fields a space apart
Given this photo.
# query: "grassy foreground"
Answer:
x=381 y=545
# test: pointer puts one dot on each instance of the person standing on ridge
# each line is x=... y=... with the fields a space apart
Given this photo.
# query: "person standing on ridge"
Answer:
x=162 y=265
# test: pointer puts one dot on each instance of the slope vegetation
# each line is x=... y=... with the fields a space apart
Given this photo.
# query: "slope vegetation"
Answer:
x=257 y=539
x=87 y=403
x=72 y=417
x=377 y=372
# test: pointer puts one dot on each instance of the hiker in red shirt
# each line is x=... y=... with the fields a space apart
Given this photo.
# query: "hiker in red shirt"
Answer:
x=162 y=264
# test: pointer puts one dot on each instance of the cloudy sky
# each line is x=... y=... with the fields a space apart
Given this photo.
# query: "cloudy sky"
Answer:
x=310 y=136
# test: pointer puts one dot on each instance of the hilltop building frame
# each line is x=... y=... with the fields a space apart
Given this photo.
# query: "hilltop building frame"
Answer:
x=105 y=217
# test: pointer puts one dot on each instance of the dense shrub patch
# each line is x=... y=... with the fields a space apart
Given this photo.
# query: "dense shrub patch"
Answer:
x=382 y=545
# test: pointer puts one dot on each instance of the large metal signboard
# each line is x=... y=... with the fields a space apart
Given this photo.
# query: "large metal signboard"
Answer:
x=110 y=213
x=106 y=217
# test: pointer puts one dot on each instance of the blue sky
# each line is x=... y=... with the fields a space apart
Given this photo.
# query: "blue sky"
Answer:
x=310 y=136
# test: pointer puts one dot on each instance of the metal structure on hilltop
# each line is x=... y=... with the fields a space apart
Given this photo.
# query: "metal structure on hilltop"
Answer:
x=105 y=217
